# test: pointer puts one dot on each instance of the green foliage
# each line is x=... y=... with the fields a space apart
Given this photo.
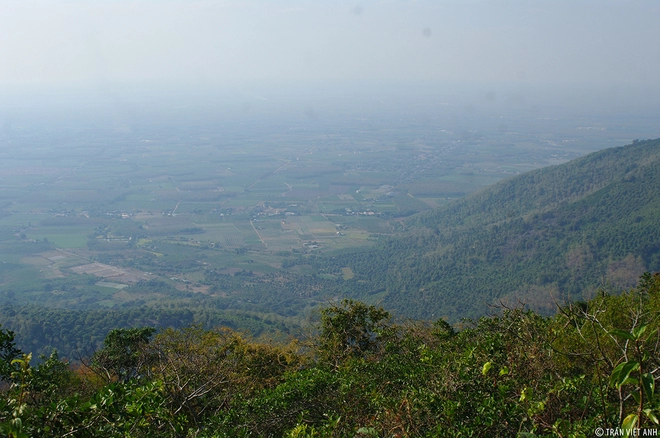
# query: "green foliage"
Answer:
x=614 y=339
x=518 y=373
x=8 y=352
x=351 y=329
x=75 y=332
x=630 y=371
x=124 y=353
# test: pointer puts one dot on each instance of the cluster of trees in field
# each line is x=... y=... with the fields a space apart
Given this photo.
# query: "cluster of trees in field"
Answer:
x=77 y=333
x=361 y=372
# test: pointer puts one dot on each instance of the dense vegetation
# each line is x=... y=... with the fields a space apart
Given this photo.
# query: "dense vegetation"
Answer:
x=77 y=333
x=548 y=235
x=361 y=373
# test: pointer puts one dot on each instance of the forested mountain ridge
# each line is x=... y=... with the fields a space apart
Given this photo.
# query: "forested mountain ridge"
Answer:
x=550 y=234
x=546 y=188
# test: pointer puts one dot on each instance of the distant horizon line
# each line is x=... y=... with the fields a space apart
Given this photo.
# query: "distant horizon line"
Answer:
x=491 y=93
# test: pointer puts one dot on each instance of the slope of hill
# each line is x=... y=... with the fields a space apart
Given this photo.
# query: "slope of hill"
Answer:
x=551 y=234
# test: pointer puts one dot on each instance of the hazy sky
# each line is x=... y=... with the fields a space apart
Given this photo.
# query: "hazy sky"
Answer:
x=602 y=43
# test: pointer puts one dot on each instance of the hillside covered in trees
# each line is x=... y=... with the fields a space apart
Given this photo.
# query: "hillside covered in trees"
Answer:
x=593 y=366
x=553 y=234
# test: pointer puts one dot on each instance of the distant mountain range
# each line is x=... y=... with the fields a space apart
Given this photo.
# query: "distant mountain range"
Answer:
x=552 y=234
